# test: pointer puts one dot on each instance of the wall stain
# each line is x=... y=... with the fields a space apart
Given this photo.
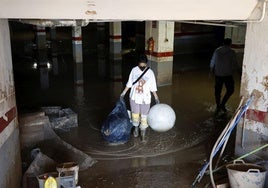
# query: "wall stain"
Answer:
x=258 y=95
x=265 y=83
x=91 y=12
x=91 y=4
x=244 y=84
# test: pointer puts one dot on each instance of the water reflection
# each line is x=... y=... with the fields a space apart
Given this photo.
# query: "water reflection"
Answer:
x=44 y=78
x=79 y=95
x=43 y=65
x=55 y=65
x=54 y=47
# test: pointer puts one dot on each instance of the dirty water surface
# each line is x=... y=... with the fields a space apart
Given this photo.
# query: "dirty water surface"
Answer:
x=168 y=159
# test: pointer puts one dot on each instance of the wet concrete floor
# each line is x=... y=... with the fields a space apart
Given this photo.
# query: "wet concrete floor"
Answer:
x=169 y=159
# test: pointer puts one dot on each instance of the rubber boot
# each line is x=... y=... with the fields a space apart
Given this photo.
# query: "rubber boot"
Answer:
x=136 y=132
x=135 y=122
x=143 y=131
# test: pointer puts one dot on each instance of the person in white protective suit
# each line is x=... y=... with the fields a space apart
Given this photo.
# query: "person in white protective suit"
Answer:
x=142 y=82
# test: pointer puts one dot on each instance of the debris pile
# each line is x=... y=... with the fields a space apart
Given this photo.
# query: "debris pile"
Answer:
x=38 y=134
x=61 y=119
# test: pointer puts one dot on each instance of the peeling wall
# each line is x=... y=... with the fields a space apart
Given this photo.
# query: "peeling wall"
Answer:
x=10 y=163
x=252 y=132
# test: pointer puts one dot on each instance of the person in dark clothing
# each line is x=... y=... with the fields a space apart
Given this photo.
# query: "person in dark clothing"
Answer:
x=222 y=65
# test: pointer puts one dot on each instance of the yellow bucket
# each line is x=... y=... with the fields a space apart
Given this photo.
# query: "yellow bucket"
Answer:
x=48 y=180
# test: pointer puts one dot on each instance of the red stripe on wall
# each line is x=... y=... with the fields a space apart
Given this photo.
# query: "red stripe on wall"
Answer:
x=77 y=38
x=11 y=114
x=257 y=115
x=160 y=54
x=115 y=37
x=237 y=46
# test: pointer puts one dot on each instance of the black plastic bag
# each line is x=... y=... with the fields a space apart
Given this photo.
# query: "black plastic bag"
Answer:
x=117 y=126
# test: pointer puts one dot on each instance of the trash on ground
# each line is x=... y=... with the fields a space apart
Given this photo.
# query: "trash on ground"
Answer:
x=40 y=165
x=117 y=126
x=61 y=119
x=38 y=135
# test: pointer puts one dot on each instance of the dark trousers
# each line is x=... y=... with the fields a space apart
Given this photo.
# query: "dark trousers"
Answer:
x=228 y=81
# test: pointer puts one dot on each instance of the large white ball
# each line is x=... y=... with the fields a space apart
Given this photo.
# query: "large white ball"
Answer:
x=161 y=117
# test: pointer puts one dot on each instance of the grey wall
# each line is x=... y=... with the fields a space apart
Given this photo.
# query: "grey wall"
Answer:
x=10 y=161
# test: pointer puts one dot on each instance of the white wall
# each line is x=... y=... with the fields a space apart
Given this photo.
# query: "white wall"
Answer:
x=128 y=9
x=253 y=132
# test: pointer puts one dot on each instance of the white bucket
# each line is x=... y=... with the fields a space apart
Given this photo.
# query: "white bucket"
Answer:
x=246 y=175
x=67 y=179
x=69 y=166
x=43 y=177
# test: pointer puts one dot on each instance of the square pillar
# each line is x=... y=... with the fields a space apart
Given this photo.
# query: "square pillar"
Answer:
x=161 y=53
x=54 y=50
x=78 y=55
x=115 y=51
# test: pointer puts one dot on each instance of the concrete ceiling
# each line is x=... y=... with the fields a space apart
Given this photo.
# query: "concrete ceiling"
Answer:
x=108 y=10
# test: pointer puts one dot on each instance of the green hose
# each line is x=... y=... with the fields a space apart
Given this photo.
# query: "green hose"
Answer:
x=254 y=151
x=241 y=157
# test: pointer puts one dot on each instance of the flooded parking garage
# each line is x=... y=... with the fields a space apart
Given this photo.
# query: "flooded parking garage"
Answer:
x=169 y=159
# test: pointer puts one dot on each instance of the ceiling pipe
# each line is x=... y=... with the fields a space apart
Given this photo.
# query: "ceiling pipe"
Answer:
x=54 y=23
x=209 y=23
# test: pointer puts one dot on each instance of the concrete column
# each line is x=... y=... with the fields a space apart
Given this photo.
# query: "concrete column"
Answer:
x=54 y=50
x=237 y=34
x=115 y=51
x=101 y=49
x=78 y=55
x=41 y=45
x=41 y=37
x=253 y=131
x=10 y=161
x=161 y=58
x=178 y=28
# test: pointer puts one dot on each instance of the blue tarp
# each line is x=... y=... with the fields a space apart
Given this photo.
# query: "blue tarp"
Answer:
x=117 y=126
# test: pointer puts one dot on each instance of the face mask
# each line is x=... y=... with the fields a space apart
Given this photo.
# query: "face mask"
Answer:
x=142 y=68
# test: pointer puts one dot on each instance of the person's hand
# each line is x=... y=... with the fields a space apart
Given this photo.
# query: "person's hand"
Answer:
x=157 y=101
x=122 y=95
x=211 y=73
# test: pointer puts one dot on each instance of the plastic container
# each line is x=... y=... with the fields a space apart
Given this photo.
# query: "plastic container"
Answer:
x=67 y=179
x=69 y=166
x=43 y=177
x=246 y=175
